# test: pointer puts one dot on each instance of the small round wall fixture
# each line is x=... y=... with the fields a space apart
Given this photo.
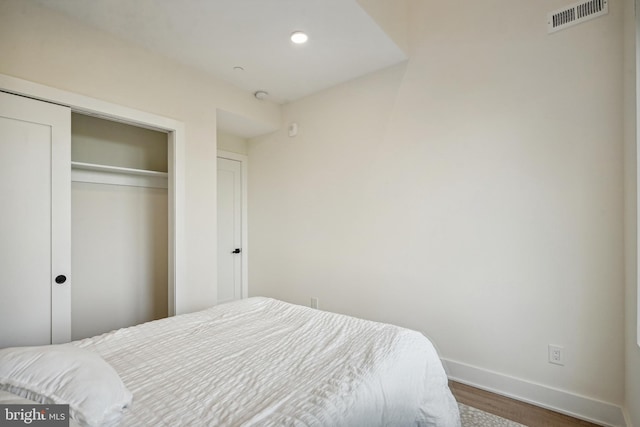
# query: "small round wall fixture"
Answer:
x=298 y=37
x=261 y=94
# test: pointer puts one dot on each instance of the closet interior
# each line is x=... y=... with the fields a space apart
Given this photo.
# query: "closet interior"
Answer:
x=119 y=225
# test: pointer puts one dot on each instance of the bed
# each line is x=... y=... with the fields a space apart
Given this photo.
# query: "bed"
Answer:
x=252 y=362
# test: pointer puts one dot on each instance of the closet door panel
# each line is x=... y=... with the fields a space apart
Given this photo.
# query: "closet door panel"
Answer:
x=35 y=223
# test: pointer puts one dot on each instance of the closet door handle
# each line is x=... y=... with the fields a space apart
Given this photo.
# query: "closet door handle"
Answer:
x=236 y=251
x=61 y=279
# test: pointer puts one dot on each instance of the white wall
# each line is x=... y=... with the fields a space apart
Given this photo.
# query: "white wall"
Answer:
x=474 y=193
x=119 y=257
x=233 y=143
x=392 y=17
x=632 y=365
x=48 y=48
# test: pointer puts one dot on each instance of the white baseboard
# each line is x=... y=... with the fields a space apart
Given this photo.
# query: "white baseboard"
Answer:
x=585 y=408
x=627 y=417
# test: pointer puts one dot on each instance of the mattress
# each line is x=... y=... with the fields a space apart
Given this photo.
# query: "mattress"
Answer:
x=264 y=362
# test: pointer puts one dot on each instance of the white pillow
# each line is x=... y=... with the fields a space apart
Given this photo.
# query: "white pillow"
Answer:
x=65 y=374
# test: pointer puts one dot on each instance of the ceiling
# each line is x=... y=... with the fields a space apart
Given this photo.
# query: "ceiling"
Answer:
x=218 y=35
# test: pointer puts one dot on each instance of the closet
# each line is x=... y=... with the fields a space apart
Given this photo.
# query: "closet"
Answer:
x=118 y=225
x=86 y=225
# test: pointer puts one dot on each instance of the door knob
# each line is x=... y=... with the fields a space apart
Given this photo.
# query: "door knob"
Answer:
x=61 y=279
x=236 y=251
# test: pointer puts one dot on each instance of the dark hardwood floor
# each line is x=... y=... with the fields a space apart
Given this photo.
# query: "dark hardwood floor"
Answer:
x=514 y=410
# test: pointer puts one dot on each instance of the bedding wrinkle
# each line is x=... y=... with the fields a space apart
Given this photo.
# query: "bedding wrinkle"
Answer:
x=263 y=362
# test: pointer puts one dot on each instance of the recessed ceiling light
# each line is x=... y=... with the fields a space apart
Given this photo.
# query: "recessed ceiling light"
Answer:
x=298 y=37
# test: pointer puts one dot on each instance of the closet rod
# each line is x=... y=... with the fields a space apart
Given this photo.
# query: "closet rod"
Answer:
x=116 y=175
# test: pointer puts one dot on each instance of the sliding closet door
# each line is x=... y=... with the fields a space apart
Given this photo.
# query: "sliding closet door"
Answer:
x=35 y=222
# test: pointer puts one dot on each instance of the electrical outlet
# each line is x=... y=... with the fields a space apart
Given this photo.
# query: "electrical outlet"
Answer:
x=556 y=355
x=314 y=302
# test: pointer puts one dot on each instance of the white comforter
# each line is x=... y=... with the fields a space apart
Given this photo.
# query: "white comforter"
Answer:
x=263 y=362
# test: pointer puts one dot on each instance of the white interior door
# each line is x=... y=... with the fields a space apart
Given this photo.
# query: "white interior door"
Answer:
x=229 y=230
x=35 y=186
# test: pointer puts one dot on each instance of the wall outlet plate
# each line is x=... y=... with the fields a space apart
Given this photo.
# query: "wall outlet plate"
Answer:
x=314 y=302
x=556 y=355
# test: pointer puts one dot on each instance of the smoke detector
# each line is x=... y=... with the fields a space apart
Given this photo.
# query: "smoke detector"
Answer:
x=261 y=94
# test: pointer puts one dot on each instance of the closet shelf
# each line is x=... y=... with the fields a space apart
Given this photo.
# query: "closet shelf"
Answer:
x=116 y=169
x=116 y=175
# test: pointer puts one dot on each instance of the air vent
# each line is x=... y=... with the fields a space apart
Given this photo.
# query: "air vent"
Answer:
x=576 y=14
